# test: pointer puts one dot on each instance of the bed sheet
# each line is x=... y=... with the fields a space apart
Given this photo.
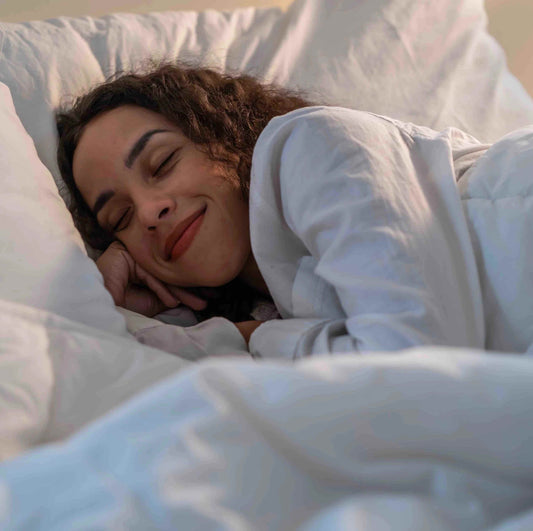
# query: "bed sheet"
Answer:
x=429 y=438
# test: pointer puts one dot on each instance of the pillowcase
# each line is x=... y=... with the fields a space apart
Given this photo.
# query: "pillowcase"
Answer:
x=43 y=262
x=431 y=62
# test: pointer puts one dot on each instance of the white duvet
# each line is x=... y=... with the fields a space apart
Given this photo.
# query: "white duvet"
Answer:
x=384 y=235
x=426 y=438
x=429 y=438
x=138 y=438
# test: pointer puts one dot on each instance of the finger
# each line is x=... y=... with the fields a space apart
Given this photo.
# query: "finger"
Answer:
x=192 y=301
x=114 y=266
x=143 y=301
x=117 y=245
x=164 y=294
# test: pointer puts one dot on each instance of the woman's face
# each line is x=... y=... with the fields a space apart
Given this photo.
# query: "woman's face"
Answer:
x=179 y=214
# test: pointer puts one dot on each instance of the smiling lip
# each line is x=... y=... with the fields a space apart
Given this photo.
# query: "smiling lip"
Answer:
x=182 y=236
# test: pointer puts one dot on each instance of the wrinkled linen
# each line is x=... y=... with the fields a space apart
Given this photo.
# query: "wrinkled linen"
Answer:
x=214 y=337
x=422 y=439
x=59 y=375
x=358 y=228
x=497 y=195
x=429 y=438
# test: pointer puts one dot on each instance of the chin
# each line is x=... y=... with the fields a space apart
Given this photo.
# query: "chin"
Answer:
x=220 y=276
x=205 y=271
x=217 y=281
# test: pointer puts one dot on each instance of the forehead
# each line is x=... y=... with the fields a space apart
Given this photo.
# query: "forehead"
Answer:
x=119 y=125
x=106 y=140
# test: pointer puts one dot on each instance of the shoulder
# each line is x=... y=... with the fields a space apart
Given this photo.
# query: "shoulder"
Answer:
x=308 y=154
x=325 y=130
x=323 y=120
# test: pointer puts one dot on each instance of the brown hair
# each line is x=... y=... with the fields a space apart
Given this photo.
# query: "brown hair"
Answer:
x=222 y=113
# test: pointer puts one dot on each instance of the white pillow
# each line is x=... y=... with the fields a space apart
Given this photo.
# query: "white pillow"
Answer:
x=57 y=375
x=429 y=62
x=42 y=258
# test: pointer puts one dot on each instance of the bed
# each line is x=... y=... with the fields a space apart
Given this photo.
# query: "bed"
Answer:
x=101 y=431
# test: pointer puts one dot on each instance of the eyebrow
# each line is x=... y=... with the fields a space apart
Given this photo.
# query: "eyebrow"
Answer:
x=139 y=146
x=101 y=200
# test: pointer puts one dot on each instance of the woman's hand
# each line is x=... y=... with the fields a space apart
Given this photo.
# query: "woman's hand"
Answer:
x=135 y=289
x=246 y=328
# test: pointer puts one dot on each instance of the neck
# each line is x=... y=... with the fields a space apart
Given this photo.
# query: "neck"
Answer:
x=252 y=276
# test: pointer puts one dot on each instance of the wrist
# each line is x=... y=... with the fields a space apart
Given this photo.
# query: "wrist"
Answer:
x=246 y=328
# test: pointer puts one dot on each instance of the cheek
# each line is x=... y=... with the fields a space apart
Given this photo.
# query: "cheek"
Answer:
x=139 y=251
x=234 y=241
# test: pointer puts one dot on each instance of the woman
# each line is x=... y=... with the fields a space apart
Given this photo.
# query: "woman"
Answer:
x=351 y=222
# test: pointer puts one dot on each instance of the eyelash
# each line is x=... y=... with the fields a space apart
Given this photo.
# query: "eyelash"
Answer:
x=164 y=163
x=117 y=224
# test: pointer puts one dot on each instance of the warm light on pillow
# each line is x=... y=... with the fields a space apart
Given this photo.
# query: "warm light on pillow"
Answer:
x=42 y=258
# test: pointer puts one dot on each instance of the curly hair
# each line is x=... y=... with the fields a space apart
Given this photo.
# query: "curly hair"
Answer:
x=222 y=114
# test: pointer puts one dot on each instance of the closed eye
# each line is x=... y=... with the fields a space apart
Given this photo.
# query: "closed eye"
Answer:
x=161 y=167
x=121 y=224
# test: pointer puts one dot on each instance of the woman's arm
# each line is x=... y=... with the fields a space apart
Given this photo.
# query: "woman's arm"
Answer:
x=247 y=328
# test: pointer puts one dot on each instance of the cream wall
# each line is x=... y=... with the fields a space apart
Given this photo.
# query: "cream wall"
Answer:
x=510 y=20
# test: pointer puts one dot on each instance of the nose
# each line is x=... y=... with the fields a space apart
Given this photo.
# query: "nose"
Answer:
x=151 y=211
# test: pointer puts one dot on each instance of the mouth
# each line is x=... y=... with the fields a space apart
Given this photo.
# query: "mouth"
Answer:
x=183 y=235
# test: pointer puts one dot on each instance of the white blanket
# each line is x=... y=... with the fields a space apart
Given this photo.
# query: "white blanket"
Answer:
x=59 y=375
x=425 y=439
x=431 y=438
x=367 y=247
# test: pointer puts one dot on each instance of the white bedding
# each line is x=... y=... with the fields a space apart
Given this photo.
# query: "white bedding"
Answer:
x=424 y=439
x=373 y=245
x=57 y=375
x=367 y=247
